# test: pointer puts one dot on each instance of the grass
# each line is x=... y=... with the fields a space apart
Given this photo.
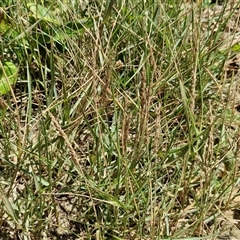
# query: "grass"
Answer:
x=122 y=124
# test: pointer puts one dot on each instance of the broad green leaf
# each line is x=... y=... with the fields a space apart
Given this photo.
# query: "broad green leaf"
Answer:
x=8 y=77
x=42 y=181
x=42 y=13
x=4 y=26
x=235 y=48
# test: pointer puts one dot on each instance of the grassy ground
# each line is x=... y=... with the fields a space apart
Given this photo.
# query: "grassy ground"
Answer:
x=123 y=123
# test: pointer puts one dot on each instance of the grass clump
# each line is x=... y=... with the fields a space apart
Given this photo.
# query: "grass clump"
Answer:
x=122 y=123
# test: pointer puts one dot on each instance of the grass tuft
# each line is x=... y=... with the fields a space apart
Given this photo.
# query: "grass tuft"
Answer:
x=123 y=123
